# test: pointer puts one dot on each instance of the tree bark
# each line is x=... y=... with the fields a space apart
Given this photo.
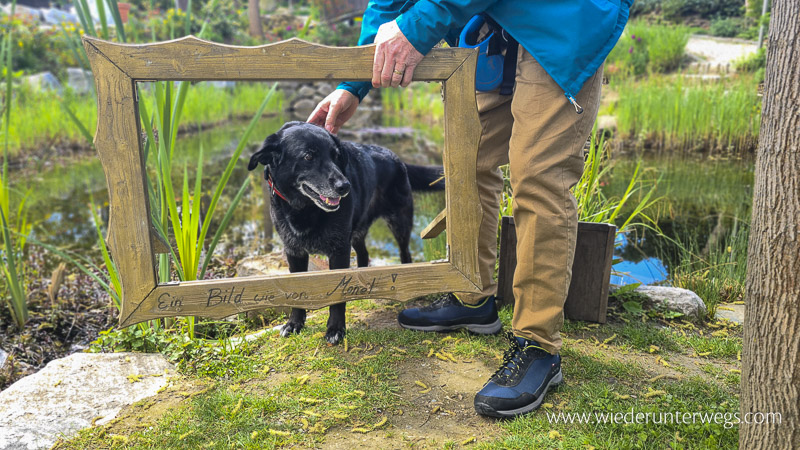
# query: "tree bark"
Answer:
x=254 y=15
x=771 y=352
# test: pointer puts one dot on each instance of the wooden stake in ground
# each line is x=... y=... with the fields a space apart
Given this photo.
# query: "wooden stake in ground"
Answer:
x=771 y=354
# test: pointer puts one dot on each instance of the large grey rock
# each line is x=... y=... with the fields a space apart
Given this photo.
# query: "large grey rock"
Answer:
x=42 y=81
x=69 y=393
x=303 y=108
x=81 y=81
x=306 y=91
x=262 y=265
x=676 y=299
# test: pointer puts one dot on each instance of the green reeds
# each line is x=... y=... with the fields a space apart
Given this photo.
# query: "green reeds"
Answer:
x=189 y=226
x=41 y=120
x=595 y=206
x=423 y=101
x=13 y=262
x=715 y=271
x=677 y=114
x=629 y=209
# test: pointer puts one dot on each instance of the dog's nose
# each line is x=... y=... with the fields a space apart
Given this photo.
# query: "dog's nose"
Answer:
x=341 y=186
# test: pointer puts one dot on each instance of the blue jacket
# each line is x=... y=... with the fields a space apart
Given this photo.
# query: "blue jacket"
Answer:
x=569 y=38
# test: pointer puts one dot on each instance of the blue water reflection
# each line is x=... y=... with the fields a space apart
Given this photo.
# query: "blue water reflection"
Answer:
x=645 y=270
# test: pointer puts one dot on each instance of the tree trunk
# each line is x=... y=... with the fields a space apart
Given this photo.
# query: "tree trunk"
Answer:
x=771 y=353
x=254 y=15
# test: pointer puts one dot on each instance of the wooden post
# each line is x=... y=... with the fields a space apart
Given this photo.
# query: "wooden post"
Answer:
x=587 y=298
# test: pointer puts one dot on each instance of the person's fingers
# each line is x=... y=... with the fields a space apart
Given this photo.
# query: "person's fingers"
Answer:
x=408 y=75
x=377 y=66
x=388 y=69
x=333 y=115
x=319 y=115
x=397 y=74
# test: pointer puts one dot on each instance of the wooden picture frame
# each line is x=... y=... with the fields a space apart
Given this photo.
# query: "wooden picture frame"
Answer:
x=118 y=67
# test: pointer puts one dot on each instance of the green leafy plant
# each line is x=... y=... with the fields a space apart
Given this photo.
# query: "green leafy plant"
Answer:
x=594 y=206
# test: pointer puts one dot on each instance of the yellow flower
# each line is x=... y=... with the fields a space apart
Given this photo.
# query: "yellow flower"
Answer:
x=20 y=43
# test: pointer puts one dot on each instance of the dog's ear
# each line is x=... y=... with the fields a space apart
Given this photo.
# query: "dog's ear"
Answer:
x=340 y=153
x=266 y=154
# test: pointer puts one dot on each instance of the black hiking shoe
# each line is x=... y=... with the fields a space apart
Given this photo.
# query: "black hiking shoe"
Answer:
x=521 y=383
x=449 y=313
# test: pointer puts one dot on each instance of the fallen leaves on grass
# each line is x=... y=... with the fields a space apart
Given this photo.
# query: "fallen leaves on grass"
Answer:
x=654 y=393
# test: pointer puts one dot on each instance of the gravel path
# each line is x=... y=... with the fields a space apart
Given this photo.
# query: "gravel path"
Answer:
x=719 y=51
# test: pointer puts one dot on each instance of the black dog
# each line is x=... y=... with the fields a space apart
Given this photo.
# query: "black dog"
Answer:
x=327 y=193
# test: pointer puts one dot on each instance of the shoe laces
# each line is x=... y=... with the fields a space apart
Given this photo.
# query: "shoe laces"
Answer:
x=515 y=358
x=445 y=300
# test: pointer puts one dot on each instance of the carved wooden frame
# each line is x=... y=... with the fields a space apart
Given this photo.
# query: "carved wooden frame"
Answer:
x=118 y=67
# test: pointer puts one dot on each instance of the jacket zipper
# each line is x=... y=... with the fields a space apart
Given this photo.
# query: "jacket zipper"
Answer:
x=571 y=98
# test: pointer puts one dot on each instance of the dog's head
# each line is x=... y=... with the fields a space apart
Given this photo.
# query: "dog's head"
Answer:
x=307 y=164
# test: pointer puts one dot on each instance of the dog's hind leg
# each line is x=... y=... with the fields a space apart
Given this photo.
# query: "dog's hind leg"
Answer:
x=297 y=318
x=336 y=318
x=400 y=224
x=362 y=255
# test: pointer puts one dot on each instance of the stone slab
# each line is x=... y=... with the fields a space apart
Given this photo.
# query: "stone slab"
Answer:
x=68 y=394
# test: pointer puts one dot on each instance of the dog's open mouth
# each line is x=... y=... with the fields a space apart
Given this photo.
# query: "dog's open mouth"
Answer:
x=325 y=203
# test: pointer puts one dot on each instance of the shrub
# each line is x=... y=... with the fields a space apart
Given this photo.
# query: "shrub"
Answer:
x=654 y=48
x=728 y=27
x=751 y=62
x=37 y=49
x=675 y=10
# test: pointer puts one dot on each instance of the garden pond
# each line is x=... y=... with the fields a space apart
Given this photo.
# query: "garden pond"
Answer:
x=702 y=199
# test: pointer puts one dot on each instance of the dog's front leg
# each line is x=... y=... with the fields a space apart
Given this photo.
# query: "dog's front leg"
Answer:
x=336 y=318
x=297 y=318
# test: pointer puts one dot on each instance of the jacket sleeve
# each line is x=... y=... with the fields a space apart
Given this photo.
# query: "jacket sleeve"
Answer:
x=427 y=22
x=377 y=13
x=424 y=24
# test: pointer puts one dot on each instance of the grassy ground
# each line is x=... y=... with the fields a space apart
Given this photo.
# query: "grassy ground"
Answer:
x=391 y=388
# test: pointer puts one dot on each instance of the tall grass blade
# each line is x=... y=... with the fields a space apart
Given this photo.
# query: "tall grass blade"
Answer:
x=18 y=303
x=114 y=8
x=101 y=12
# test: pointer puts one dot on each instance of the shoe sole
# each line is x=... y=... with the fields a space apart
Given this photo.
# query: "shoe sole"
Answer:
x=486 y=410
x=491 y=328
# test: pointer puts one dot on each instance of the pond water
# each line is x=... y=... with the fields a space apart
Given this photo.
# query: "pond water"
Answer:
x=60 y=195
x=702 y=200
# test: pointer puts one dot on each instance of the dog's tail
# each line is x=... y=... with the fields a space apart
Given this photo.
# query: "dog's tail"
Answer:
x=425 y=178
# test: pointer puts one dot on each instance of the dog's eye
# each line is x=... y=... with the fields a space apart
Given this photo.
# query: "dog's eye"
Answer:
x=308 y=157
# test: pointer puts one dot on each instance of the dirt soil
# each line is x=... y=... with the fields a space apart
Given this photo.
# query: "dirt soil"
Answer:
x=55 y=328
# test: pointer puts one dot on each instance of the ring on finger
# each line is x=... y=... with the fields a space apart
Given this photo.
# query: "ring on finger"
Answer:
x=399 y=72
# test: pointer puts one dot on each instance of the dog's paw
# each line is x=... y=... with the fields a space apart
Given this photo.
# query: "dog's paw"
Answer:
x=290 y=328
x=334 y=336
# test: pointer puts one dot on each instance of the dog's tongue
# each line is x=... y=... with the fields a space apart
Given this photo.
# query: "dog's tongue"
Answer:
x=330 y=200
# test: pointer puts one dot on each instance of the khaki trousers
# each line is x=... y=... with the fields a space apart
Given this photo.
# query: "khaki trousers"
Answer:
x=538 y=133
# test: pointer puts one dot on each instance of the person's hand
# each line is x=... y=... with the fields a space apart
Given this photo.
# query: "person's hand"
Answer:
x=395 y=57
x=334 y=110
